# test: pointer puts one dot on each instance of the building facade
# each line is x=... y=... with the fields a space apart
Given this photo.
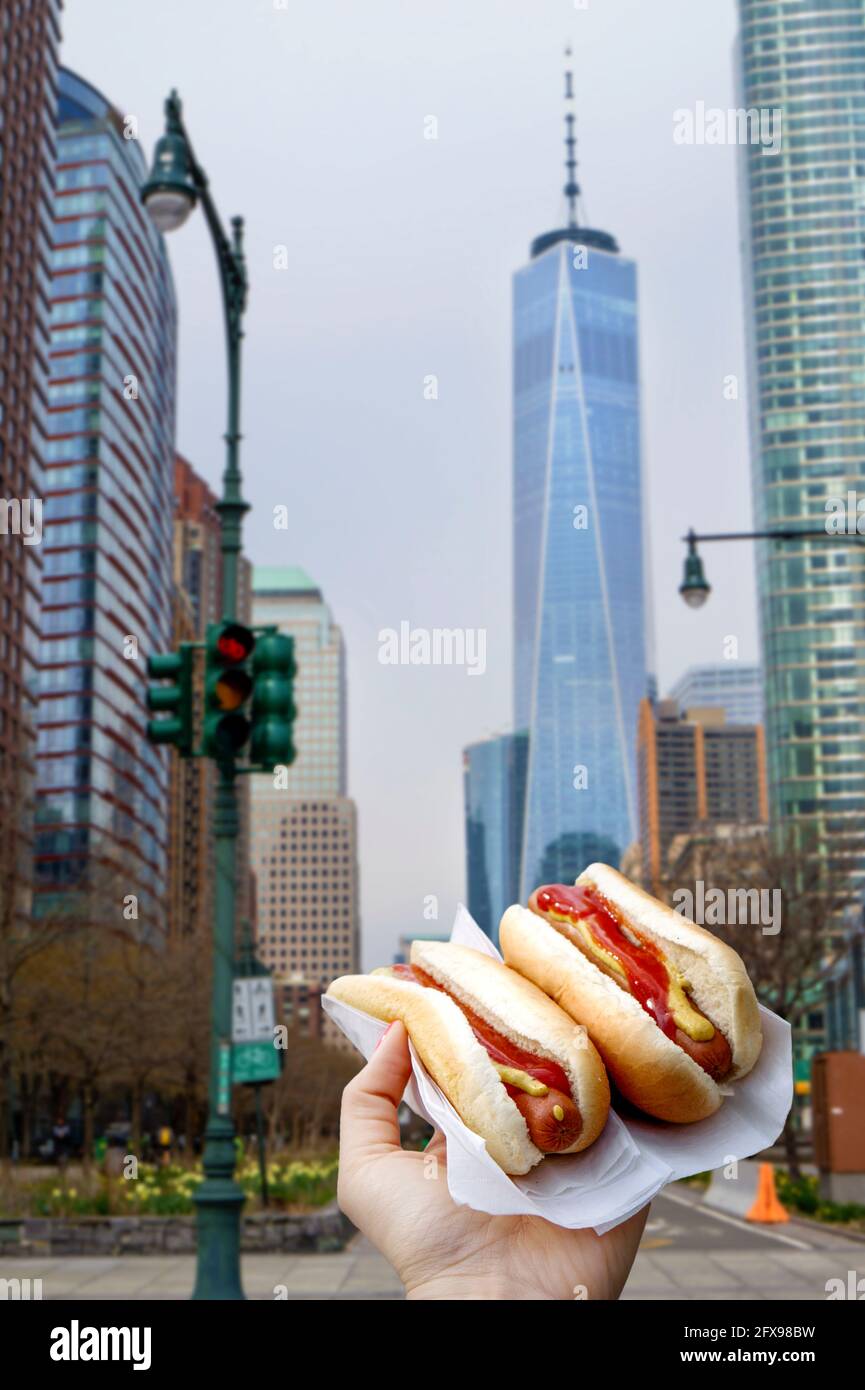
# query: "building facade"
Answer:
x=197 y=581
x=29 y=37
x=736 y=687
x=198 y=590
x=844 y=992
x=303 y=823
x=289 y=599
x=803 y=222
x=580 y=663
x=494 y=788
x=695 y=770
x=107 y=563
x=305 y=861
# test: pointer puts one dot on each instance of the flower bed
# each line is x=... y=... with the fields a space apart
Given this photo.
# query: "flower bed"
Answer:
x=294 y=1185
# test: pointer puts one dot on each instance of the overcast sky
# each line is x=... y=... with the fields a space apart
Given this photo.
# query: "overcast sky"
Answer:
x=310 y=121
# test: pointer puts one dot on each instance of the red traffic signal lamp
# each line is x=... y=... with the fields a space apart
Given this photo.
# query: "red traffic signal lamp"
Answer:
x=227 y=687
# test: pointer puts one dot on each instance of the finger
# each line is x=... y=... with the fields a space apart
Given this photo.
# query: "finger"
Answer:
x=370 y=1101
x=437 y=1145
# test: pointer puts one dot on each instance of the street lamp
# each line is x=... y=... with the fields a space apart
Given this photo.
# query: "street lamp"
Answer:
x=176 y=183
x=169 y=194
x=694 y=588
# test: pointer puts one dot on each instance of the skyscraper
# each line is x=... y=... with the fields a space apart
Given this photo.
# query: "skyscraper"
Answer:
x=291 y=600
x=736 y=687
x=494 y=784
x=579 y=599
x=804 y=234
x=695 y=770
x=107 y=573
x=303 y=823
x=28 y=100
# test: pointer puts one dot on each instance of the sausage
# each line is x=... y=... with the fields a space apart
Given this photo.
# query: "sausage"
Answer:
x=546 y=1131
x=713 y=1056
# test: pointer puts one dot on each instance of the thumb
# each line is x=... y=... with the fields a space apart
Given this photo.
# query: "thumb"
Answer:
x=368 y=1122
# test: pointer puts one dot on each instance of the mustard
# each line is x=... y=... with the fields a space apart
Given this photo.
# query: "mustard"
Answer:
x=686 y=1017
x=595 y=948
x=521 y=1079
x=682 y=1011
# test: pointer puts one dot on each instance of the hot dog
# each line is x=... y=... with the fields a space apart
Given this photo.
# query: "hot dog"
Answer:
x=670 y=1007
x=548 y=1108
x=511 y=1063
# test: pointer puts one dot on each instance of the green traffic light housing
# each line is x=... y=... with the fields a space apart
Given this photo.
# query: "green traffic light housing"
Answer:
x=174 y=700
x=273 y=709
x=228 y=685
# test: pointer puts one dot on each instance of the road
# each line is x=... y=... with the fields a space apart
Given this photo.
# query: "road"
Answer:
x=688 y=1252
x=691 y=1252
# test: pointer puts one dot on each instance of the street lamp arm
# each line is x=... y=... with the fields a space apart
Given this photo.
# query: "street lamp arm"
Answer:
x=695 y=588
x=780 y=534
x=232 y=277
x=229 y=254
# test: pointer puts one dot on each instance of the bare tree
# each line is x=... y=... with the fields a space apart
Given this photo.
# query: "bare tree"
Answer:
x=22 y=939
x=778 y=903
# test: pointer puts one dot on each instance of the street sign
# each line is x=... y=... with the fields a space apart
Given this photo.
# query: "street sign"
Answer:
x=253 y=1011
x=255 y=1062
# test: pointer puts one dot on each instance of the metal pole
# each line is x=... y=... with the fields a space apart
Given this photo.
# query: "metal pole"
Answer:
x=262 y=1156
x=219 y=1198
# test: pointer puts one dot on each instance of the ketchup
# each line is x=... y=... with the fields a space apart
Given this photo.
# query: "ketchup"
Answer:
x=500 y=1048
x=643 y=964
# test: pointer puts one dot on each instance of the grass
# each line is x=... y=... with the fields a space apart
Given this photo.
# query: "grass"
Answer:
x=803 y=1195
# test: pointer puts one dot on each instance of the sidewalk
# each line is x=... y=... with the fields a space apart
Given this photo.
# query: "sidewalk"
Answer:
x=358 y=1272
x=680 y=1258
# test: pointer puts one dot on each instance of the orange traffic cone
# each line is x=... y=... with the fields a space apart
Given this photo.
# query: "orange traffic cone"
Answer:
x=767 y=1207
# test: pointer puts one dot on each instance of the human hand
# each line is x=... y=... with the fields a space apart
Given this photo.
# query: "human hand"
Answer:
x=400 y=1201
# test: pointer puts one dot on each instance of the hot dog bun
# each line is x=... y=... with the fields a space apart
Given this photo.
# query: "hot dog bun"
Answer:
x=649 y=1068
x=457 y=1061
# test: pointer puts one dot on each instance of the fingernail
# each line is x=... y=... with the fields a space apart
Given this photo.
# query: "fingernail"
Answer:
x=383 y=1036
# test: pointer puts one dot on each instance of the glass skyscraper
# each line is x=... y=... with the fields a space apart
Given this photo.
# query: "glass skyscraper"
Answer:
x=494 y=782
x=108 y=517
x=579 y=591
x=803 y=215
x=29 y=38
x=736 y=687
x=304 y=823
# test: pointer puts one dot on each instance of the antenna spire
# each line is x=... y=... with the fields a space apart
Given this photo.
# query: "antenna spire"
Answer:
x=571 y=188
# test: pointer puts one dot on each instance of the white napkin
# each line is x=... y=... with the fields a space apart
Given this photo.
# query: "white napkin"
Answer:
x=633 y=1158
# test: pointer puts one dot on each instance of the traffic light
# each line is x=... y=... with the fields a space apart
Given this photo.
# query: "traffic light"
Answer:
x=273 y=710
x=227 y=687
x=174 y=700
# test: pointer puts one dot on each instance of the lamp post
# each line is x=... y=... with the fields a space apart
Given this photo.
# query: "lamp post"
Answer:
x=695 y=588
x=176 y=183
